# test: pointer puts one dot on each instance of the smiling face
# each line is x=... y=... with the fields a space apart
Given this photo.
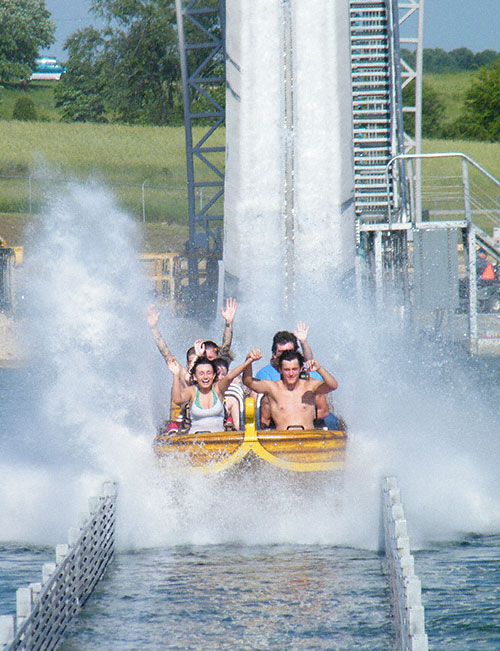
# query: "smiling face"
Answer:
x=204 y=375
x=290 y=370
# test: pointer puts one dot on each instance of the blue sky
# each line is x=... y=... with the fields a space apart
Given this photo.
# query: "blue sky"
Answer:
x=448 y=23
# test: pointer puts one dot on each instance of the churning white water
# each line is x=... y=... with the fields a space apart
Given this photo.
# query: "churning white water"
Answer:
x=96 y=388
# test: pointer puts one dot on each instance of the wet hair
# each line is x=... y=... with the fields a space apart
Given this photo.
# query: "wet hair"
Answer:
x=221 y=361
x=289 y=356
x=210 y=344
x=191 y=351
x=284 y=337
x=199 y=362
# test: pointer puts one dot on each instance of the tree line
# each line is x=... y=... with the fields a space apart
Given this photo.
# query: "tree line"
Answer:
x=436 y=60
x=129 y=72
x=479 y=118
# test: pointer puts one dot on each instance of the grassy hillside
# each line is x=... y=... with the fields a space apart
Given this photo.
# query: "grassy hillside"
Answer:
x=486 y=154
x=42 y=94
x=118 y=152
x=128 y=155
x=451 y=89
x=124 y=157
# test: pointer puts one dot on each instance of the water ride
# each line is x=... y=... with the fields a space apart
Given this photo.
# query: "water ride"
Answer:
x=293 y=450
x=47 y=69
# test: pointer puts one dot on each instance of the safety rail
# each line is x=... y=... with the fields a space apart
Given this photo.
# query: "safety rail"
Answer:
x=405 y=586
x=472 y=195
x=45 y=610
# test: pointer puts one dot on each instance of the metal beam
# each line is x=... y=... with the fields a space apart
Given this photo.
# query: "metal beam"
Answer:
x=201 y=29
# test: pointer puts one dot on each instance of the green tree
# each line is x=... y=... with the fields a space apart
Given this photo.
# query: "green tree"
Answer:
x=79 y=93
x=24 y=109
x=464 y=58
x=437 y=60
x=142 y=66
x=484 y=58
x=432 y=111
x=25 y=28
x=129 y=71
x=481 y=117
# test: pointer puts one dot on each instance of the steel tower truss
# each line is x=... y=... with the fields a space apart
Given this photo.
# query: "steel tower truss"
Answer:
x=379 y=75
x=412 y=10
x=201 y=27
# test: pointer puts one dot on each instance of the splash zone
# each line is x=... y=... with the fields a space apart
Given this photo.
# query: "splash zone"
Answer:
x=295 y=449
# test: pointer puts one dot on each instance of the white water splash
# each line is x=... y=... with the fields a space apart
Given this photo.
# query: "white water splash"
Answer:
x=101 y=387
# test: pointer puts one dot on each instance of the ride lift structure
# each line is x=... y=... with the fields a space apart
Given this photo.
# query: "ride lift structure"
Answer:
x=201 y=29
x=419 y=217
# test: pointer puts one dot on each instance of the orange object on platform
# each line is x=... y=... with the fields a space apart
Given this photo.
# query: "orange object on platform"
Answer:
x=488 y=273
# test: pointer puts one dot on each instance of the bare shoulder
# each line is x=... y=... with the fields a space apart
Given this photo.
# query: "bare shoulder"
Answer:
x=312 y=384
x=272 y=386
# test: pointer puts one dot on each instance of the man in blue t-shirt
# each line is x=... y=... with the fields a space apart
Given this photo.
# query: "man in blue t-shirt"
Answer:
x=285 y=340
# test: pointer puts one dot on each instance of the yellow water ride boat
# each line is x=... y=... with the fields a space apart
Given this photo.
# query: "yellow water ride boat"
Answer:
x=295 y=450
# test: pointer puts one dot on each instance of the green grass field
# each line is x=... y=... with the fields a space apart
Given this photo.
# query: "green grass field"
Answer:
x=486 y=154
x=42 y=94
x=122 y=155
x=451 y=88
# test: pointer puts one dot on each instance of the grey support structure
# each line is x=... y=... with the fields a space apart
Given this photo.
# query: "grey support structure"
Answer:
x=45 y=610
x=201 y=28
x=405 y=586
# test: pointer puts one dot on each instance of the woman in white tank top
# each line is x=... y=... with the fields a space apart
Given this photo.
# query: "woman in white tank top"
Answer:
x=205 y=397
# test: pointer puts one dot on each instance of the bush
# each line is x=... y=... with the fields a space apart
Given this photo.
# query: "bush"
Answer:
x=24 y=109
x=432 y=111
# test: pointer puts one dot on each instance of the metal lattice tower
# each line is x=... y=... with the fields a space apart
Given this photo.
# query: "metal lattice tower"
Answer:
x=378 y=78
x=410 y=10
x=201 y=26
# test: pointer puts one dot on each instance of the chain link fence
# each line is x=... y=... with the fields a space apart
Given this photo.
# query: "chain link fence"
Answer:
x=145 y=201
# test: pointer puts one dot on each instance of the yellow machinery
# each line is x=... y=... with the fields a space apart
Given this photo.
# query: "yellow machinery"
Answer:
x=295 y=450
x=169 y=274
x=164 y=270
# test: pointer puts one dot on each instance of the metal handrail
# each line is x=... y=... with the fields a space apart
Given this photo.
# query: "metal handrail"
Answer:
x=460 y=155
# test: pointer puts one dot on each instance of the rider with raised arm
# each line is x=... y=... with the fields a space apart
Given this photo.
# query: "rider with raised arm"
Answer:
x=201 y=348
x=285 y=340
x=205 y=396
x=292 y=399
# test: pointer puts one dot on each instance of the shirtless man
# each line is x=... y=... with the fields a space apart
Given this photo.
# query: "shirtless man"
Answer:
x=282 y=341
x=292 y=399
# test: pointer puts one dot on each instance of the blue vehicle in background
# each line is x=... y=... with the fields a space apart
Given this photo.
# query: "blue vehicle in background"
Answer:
x=47 y=68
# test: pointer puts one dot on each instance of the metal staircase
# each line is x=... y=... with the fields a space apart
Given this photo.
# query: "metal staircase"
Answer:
x=373 y=114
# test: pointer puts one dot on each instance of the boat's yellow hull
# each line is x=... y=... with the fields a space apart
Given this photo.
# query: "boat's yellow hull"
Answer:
x=294 y=450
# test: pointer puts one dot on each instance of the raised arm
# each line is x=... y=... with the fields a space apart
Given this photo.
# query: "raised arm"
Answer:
x=301 y=332
x=152 y=317
x=253 y=383
x=328 y=383
x=225 y=381
x=181 y=392
x=228 y=313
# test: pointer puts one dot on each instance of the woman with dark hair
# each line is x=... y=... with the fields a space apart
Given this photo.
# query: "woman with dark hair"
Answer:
x=205 y=396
